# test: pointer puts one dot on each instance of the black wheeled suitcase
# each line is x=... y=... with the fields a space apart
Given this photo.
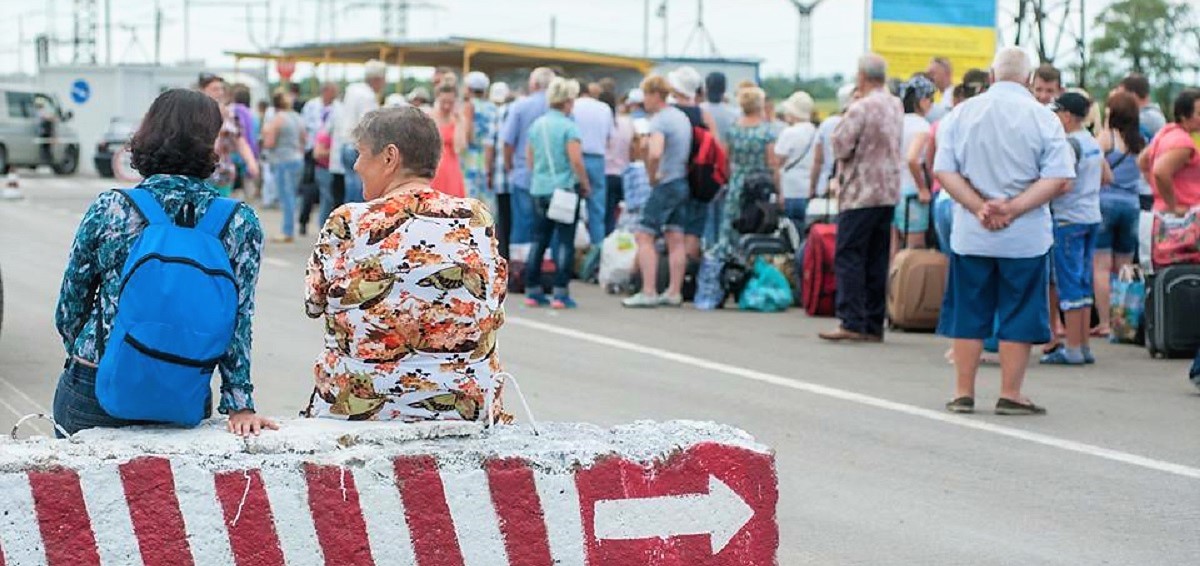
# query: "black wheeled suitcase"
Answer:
x=1172 y=310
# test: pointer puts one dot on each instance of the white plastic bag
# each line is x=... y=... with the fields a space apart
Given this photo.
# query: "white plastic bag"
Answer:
x=618 y=255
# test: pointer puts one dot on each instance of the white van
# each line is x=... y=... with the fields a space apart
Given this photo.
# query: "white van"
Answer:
x=35 y=131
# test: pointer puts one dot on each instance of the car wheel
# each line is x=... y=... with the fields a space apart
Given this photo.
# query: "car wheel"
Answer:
x=70 y=161
x=104 y=168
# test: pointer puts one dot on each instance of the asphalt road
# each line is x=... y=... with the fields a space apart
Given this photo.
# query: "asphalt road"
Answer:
x=871 y=470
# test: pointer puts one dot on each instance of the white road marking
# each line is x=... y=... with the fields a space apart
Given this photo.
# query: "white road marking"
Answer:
x=879 y=403
x=720 y=513
x=383 y=511
x=20 y=537
x=104 y=497
x=25 y=396
x=18 y=415
x=203 y=518
x=475 y=518
x=287 y=491
x=564 y=521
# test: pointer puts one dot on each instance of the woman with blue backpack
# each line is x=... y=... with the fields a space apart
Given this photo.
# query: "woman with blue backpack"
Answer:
x=159 y=288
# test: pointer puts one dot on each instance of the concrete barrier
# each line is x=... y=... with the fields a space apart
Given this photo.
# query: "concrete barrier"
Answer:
x=431 y=494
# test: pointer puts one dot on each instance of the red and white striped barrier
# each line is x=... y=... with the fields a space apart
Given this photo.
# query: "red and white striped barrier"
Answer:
x=433 y=494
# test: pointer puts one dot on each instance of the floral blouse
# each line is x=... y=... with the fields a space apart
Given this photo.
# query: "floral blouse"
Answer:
x=91 y=285
x=411 y=287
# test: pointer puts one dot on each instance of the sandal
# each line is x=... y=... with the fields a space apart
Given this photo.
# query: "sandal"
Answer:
x=962 y=405
x=1017 y=408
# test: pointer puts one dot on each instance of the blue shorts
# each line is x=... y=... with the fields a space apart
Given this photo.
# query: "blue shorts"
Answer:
x=1007 y=297
x=670 y=208
x=1074 y=246
x=697 y=218
x=918 y=213
x=1119 y=227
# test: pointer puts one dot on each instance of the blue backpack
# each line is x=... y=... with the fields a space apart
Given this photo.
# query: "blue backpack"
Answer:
x=175 y=317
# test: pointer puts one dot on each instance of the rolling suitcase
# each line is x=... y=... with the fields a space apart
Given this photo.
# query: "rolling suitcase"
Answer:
x=1172 y=304
x=916 y=283
x=818 y=283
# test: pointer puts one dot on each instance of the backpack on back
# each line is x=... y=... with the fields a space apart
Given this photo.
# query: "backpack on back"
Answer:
x=708 y=166
x=175 y=317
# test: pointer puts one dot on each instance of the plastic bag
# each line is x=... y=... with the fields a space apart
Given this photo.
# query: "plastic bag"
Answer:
x=767 y=291
x=618 y=255
x=1128 y=304
x=709 y=292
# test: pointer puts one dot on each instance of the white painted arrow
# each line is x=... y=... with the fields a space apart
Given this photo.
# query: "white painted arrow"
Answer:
x=720 y=513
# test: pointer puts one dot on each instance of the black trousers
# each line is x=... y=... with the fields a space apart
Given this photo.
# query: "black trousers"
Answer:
x=338 y=188
x=310 y=196
x=503 y=222
x=616 y=193
x=861 y=265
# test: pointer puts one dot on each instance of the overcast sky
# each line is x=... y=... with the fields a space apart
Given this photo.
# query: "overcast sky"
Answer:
x=764 y=29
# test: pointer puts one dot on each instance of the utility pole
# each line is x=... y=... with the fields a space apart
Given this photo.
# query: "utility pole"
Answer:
x=804 y=37
x=553 y=30
x=187 y=30
x=158 y=21
x=662 y=13
x=645 y=28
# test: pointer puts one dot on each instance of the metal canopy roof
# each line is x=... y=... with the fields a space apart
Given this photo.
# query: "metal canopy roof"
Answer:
x=455 y=52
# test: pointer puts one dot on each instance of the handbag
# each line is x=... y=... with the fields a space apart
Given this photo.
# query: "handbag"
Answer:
x=1128 y=304
x=564 y=203
x=1176 y=239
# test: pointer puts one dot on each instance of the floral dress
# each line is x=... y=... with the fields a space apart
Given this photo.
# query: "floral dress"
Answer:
x=411 y=287
x=474 y=161
x=747 y=148
x=87 y=302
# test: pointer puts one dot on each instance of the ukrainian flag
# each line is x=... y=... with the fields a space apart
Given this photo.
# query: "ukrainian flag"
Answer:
x=908 y=33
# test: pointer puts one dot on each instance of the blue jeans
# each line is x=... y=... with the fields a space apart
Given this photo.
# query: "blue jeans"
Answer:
x=712 y=224
x=1119 y=226
x=354 y=186
x=325 y=192
x=287 y=181
x=1074 y=248
x=597 y=202
x=523 y=216
x=76 y=407
x=796 y=209
x=546 y=233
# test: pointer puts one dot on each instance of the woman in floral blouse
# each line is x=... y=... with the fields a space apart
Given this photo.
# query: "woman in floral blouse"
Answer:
x=173 y=150
x=410 y=286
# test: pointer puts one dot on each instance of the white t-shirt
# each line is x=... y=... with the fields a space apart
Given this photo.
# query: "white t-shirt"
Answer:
x=795 y=147
x=824 y=135
x=914 y=125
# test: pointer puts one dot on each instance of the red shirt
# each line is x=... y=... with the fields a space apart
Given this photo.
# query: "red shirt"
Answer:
x=1187 y=179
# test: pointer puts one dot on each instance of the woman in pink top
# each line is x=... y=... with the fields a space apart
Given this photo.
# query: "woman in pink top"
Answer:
x=1172 y=162
x=616 y=159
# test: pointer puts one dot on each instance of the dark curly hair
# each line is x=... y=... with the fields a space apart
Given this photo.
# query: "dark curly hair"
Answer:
x=178 y=135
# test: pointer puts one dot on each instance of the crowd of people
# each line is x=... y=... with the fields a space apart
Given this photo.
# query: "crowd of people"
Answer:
x=434 y=206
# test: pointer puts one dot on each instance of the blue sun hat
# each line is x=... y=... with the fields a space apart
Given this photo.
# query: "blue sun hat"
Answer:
x=921 y=85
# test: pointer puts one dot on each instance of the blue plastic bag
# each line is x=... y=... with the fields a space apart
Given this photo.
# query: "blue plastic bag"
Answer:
x=1128 y=304
x=709 y=293
x=767 y=291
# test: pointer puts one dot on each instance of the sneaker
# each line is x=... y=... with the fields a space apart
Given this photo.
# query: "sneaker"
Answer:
x=561 y=302
x=535 y=300
x=1017 y=408
x=964 y=405
x=1059 y=357
x=666 y=300
x=1088 y=358
x=641 y=301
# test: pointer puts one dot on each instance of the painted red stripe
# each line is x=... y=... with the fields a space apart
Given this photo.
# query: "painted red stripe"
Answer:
x=429 y=522
x=514 y=493
x=253 y=539
x=154 y=508
x=341 y=530
x=63 y=518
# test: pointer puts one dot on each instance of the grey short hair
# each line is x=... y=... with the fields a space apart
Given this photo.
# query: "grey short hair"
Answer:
x=1012 y=64
x=410 y=129
x=541 y=77
x=873 y=67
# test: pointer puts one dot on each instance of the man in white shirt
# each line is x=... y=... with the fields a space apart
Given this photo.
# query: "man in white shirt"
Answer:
x=360 y=98
x=941 y=72
x=595 y=121
x=315 y=113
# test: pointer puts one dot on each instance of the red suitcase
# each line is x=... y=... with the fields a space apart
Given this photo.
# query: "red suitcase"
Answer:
x=819 y=285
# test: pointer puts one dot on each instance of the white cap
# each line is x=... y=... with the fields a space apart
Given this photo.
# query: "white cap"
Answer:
x=685 y=80
x=395 y=100
x=375 y=69
x=499 y=93
x=799 y=106
x=477 y=81
x=636 y=96
x=419 y=92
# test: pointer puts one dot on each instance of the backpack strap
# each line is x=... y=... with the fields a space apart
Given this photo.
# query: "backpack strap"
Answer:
x=220 y=212
x=146 y=205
